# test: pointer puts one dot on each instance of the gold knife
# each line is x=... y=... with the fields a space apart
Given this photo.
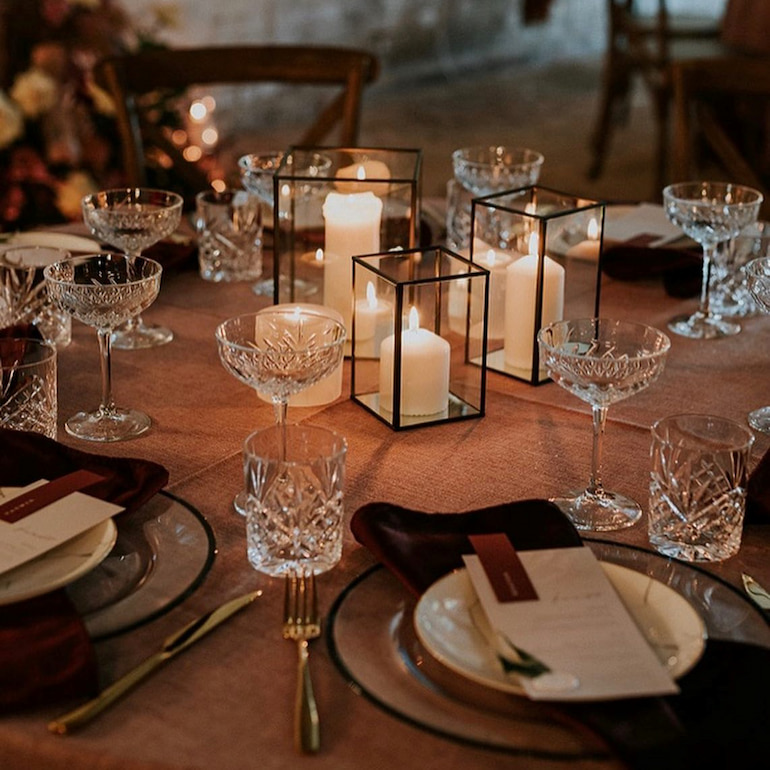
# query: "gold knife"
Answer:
x=173 y=645
x=760 y=596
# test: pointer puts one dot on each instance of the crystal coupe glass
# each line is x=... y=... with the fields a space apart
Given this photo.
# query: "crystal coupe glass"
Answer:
x=280 y=351
x=601 y=361
x=758 y=282
x=131 y=219
x=709 y=213
x=104 y=290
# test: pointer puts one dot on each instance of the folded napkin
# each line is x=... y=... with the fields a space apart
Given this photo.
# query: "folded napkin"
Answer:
x=45 y=651
x=758 y=493
x=680 y=269
x=715 y=721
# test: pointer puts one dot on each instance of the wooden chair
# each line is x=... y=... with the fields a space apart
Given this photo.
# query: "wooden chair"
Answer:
x=133 y=79
x=644 y=46
x=722 y=121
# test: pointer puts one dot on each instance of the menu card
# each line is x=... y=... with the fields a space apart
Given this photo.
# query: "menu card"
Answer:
x=558 y=606
x=36 y=518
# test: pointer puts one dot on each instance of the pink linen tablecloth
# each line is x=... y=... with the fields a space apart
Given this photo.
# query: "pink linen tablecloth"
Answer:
x=227 y=702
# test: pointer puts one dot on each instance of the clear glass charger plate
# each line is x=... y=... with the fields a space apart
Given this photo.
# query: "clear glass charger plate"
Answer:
x=162 y=553
x=373 y=643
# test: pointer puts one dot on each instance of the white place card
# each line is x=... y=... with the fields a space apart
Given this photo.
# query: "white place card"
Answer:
x=28 y=531
x=577 y=626
x=646 y=219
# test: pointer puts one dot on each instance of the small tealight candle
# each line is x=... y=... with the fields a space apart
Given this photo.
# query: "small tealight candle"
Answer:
x=588 y=248
x=521 y=295
x=314 y=258
x=424 y=370
x=372 y=319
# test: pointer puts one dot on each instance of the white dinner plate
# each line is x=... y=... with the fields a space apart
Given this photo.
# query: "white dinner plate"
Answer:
x=74 y=243
x=60 y=566
x=448 y=628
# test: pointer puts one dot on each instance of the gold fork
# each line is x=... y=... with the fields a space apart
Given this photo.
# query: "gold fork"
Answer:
x=302 y=623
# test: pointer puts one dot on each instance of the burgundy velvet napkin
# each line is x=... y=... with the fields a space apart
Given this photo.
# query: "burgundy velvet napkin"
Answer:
x=46 y=654
x=758 y=493
x=717 y=720
x=680 y=269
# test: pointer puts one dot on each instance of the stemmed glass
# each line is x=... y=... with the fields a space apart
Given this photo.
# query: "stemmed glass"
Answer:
x=257 y=172
x=758 y=282
x=709 y=213
x=131 y=219
x=104 y=290
x=601 y=361
x=280 y=351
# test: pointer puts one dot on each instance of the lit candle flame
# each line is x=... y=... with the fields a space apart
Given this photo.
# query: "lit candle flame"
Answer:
x=534 y=243
x=319 y=255
x=371 y=295
x=414 y=319
x=491 y=257
x=593 y=230
x=360 y=173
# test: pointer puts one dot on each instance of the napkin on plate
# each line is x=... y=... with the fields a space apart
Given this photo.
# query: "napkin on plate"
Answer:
x=634 y=260
x=45 y=651
x=715 y=721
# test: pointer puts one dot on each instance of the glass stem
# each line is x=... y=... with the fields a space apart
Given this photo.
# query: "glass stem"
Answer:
x=105 y=361
x=599 y=414
x=281 y=409
x=709 y=252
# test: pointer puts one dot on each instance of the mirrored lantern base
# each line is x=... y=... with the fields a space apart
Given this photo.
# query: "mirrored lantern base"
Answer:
x=108 y=425
x=136 y=335
x=700 y=326
x=603 y=512
x=759 y=419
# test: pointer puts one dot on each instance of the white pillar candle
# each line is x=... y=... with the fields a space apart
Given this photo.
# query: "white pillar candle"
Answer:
x=374 y=170
x=352 y=227
x=372 y=320
x=424 y=370
x=588 y=248
x=497 y=263
x=521 y=294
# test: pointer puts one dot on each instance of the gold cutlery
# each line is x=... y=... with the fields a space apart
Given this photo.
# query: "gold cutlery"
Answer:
x=302 y=623
x=173 y=645
x=760 y=596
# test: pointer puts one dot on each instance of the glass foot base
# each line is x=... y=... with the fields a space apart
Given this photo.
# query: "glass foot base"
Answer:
x=599 y=513
x=703 y=327
x=264 y=288
x=239 y=502
x=115 y=425
x=759 y=419
x=140 y=336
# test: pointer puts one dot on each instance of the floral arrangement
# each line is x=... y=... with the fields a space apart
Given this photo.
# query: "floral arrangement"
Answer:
x=58 y=139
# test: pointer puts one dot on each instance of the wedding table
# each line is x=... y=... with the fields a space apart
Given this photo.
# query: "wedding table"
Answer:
x=227 y=702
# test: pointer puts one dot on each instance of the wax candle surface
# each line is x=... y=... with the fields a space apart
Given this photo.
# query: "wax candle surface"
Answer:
x=497 y=263
x=521 y=293
x=588 y=248
x=374 y=170
x=352 y=227
x=372 y=321
x=424 y=371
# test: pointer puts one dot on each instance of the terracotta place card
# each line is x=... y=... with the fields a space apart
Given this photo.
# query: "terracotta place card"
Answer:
x=576 y=625
x=36 y=518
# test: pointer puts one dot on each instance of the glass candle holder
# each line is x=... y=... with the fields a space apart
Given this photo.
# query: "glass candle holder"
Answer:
x=331 y=204
x=410 y=365
x=542 y=249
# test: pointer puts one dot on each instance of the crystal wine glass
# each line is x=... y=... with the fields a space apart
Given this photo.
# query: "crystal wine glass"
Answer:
x=758 y=281
x=279 y=351
x=131 y=219
x=104 y=290
x=601 y=361
x=257 y=172
x=709 y=213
